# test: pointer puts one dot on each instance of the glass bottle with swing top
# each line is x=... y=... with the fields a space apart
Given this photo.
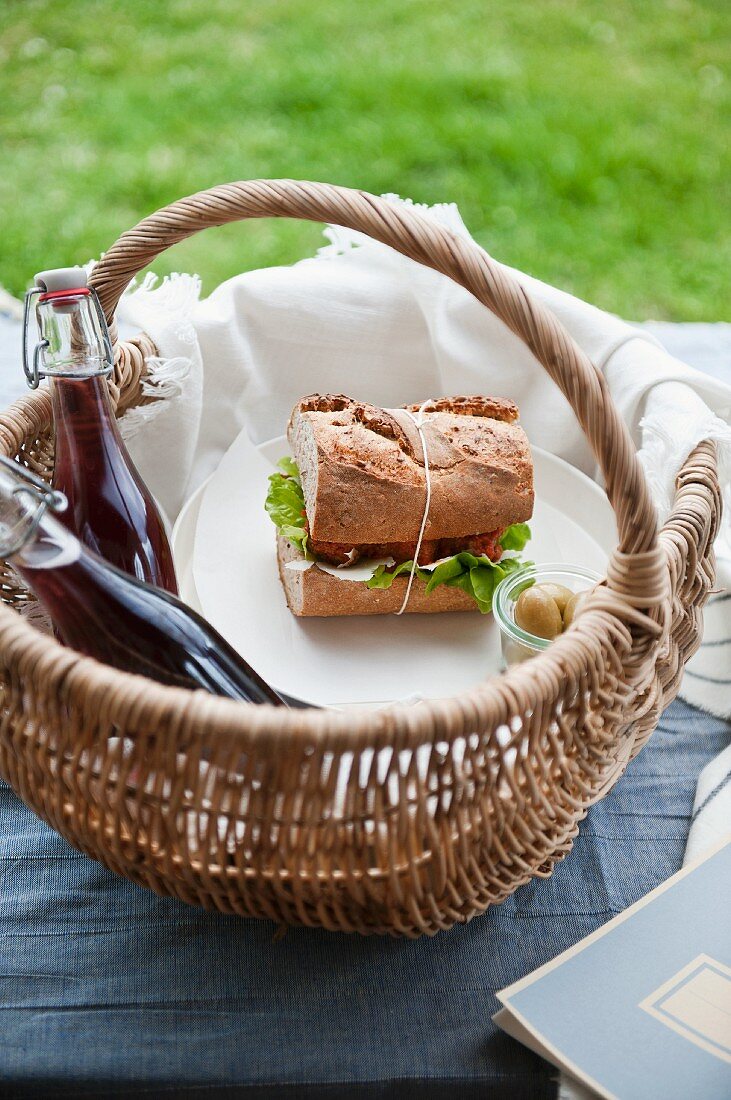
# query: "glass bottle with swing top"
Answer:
x=110 y=508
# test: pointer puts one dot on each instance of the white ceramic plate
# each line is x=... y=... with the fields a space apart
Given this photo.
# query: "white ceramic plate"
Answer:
x=225 y=554
x=182 y=542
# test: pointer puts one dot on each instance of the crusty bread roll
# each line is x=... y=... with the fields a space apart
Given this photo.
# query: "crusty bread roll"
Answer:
x=312 y=592
x=362 y=469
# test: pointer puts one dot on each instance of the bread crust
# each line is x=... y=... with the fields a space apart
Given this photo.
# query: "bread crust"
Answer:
x=363 y=469
x=497 y=408
x=312 y=592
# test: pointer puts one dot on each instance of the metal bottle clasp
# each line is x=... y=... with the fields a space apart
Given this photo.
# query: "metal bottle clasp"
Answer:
x=46 y=498
x=32 y=365
x=35 y=486
x=32 y=371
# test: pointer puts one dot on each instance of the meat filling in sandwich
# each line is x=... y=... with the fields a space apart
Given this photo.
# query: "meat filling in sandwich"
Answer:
x=350 y=504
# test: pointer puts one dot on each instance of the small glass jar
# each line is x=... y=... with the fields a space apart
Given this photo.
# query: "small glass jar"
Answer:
x=517 y=644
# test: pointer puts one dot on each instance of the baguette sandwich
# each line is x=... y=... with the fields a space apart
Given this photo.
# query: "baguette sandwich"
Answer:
x=351 y=504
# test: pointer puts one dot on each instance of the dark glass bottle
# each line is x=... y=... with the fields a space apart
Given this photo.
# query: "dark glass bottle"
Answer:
x=111 y=510
x=102 y=612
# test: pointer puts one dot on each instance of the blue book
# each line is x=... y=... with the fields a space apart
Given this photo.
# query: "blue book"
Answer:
x=642 y=1007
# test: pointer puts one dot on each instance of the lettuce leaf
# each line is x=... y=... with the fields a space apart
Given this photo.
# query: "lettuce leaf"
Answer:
x=285 y=504
x=477 y=576
x=515 y=537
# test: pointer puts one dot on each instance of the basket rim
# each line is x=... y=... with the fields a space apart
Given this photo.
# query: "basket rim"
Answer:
x=487 y=706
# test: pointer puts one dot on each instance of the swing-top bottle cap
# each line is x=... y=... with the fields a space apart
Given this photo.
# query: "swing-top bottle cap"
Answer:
x=74 y=336
x=59 y=279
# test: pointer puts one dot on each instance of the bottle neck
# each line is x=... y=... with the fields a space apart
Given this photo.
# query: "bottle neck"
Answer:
x=50 y=546
x=63 y=577
x=74 y=340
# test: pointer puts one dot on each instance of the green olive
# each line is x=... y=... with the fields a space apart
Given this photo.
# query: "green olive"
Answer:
x=537 y=613
x=572 y=607
x=559 y=593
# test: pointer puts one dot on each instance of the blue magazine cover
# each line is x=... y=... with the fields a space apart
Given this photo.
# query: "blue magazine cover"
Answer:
x=642 y=1007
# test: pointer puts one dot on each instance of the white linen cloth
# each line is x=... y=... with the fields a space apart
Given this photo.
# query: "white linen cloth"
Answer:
x=362 y=319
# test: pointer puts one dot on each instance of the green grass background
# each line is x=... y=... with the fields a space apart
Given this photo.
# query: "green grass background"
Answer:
x=586 y=142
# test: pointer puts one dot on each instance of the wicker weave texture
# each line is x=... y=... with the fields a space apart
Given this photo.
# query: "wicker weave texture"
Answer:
x=402 y=821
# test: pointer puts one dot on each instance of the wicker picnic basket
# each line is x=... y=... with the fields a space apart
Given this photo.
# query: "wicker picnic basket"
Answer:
x=404 y=820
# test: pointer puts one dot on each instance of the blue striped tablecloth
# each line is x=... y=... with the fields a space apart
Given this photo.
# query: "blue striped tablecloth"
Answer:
x=106 y=989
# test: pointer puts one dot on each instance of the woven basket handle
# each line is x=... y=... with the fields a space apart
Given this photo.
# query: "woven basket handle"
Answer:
x=428 y=243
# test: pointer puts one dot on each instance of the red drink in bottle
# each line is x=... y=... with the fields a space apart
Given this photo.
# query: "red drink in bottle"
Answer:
x=110 y=508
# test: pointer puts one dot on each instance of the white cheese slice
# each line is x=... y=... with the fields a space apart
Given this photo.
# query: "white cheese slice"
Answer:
x=361 y=571
x=299 y=565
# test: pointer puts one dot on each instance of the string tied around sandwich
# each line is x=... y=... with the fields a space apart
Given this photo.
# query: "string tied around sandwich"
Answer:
x=418 y=419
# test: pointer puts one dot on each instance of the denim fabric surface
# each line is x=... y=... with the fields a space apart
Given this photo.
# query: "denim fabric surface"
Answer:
x=106 y=989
